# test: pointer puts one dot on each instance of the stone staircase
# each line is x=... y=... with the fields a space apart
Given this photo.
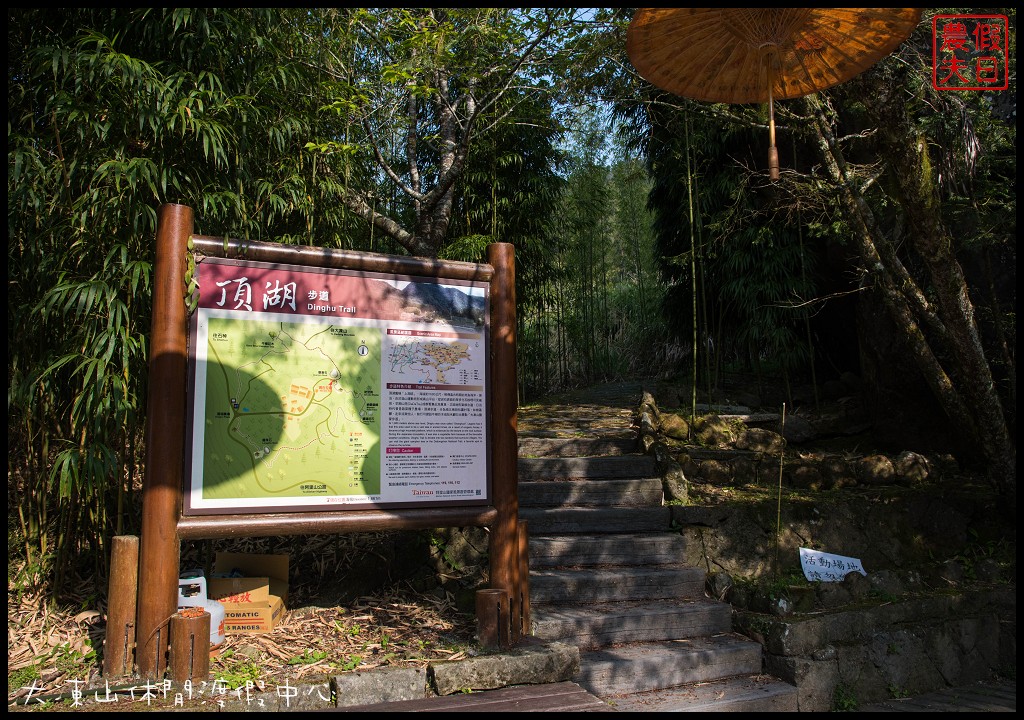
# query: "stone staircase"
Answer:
x=606 y=572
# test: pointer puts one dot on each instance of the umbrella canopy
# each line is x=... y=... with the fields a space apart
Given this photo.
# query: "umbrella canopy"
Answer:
x=756 y=55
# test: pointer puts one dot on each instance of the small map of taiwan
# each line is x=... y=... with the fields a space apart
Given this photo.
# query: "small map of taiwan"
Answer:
x=291 y=410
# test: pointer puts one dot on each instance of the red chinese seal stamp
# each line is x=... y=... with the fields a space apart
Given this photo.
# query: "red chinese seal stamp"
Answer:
x=970 y=52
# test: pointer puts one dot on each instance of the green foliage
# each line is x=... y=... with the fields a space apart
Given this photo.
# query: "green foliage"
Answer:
x=235 y=671
x=760 y=276
x=350 y=663
x=883 y=596
x=843 y=699
x=906 y=192
x=111 y=114
x=736 y=270
x=308 y=657
x=23 y=677
x=758 y=625
x=768 y=589
x=994 y=552
x=454 y=119
x=468 y=248
x=71 y=661
x=271 y=124
x=351 y=630
x=433 y=130
x=595 y=317
x=897 y=692
x=440 y=547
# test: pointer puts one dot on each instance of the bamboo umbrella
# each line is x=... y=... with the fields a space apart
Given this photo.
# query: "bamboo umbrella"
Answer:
x=757 y=55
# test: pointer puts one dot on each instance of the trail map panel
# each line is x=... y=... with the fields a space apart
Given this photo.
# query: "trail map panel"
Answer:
x=313 y=389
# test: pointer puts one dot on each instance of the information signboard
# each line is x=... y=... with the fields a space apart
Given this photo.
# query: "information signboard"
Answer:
x=313 y=388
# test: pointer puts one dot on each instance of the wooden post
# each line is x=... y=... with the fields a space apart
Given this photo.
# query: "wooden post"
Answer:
x=504 y=548
x=165 y=442
x=190 y=645
x=492 y=619
x=122 y=594
x=524 y=579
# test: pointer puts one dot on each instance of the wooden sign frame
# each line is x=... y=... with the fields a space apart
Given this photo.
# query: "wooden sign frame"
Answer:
x=164 y=525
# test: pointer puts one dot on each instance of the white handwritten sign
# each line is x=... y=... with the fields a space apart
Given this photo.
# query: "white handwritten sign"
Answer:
x=827 y=567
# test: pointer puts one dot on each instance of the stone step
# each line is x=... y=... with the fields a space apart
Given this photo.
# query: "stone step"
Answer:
x=561 y=468
x=631 y=492
x=539 y=447
x=657 y=666
x=749 y=693
x=566 y=521
x=603 y=624
x=607 y=575
x=581 y=585
x=594 y=550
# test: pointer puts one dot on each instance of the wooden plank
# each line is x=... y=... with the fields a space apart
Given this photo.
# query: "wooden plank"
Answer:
x=215 y=527
x=307 y=255
x=550 y=697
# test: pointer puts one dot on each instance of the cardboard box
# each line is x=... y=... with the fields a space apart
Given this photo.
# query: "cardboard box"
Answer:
x=254 y=602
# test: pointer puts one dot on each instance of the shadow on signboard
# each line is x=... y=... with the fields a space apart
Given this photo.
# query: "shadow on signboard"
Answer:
x=286 y=410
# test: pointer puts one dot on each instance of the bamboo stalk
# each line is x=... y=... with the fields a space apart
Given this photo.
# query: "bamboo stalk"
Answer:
x=778 y=510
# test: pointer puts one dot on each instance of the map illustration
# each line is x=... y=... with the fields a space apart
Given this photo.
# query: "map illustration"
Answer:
x=331 y=389
x=292 y=409
x=430 y=362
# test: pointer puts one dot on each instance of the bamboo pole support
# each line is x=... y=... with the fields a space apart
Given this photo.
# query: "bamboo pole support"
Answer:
x=122 y=598
x=190 y=645
x=159 y=546
x=492 y=619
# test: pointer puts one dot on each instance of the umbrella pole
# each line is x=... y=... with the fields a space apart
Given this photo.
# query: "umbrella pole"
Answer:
x=773 y=152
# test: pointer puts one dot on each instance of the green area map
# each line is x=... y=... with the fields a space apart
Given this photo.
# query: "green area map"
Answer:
x=291 y=410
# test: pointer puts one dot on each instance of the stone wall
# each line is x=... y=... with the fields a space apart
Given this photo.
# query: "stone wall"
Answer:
x=937 y=607
x=844 y=658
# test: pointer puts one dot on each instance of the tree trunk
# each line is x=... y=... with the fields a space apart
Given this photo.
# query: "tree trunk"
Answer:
x=931 y=239
x=963 y=386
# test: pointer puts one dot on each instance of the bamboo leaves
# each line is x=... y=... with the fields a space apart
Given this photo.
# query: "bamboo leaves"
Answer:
x=111 y=114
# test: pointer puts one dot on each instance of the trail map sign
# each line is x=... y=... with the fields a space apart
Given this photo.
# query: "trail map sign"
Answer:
x=314 y=388
x=304 y=390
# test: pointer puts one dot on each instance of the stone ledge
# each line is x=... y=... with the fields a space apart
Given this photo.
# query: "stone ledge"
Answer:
x=381 y=685
x=527 y=664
